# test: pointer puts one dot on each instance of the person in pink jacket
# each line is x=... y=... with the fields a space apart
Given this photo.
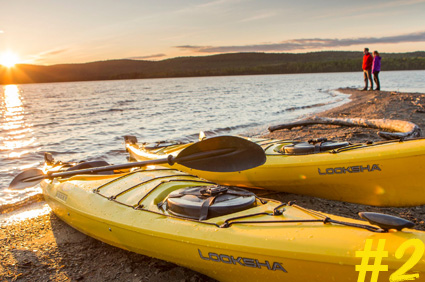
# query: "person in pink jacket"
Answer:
x=376 y=68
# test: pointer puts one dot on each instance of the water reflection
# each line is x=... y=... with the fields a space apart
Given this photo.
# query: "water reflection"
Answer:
x=15 y=132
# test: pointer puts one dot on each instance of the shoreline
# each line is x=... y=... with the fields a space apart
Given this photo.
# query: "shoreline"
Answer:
x=363 y=104
x=43 y=248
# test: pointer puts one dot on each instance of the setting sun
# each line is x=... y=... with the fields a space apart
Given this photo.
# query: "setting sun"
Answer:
x=8 y=59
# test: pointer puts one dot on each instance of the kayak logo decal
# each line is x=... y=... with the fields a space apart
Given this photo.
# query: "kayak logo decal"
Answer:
x=61 y=196
x=247 y=262
x=349 y=169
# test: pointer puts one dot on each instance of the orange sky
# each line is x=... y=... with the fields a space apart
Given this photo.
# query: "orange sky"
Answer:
x=52 y=32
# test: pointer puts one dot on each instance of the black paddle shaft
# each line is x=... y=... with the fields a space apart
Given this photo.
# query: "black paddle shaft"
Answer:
x=170 y=160
x=217 y=154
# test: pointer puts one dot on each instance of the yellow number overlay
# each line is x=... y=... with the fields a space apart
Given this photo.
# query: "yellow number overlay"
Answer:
x=399 y=275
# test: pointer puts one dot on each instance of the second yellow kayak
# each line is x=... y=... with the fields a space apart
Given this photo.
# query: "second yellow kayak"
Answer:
x=389 y=173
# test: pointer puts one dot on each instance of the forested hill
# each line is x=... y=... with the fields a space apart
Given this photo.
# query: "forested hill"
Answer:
x=224 y=64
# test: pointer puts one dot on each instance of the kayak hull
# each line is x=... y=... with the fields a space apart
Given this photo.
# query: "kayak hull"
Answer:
x=301 y=251
x=381 y=174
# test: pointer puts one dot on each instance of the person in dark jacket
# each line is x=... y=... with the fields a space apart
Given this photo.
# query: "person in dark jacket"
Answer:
x=376 y=68
x=367 y=68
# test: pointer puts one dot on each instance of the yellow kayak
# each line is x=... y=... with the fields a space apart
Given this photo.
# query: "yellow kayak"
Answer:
x=228 y=233
x=388 y=173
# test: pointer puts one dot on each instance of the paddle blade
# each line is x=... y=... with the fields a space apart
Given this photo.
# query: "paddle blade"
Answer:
x=222 y=154
x=19 y=183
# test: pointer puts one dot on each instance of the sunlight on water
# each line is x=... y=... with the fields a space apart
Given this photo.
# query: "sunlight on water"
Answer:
x=12 y=98
x=13 y=108
x=13 y=122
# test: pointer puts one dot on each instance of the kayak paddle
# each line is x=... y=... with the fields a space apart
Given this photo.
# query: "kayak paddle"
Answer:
x=216 y=154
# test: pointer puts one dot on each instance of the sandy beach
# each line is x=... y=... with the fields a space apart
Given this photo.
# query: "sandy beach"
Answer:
x=43 y=248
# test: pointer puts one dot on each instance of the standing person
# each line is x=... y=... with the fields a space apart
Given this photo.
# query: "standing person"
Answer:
x=367 y=68
x=376 y=68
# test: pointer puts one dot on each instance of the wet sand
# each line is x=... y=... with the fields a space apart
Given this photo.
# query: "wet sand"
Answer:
x=43 y=248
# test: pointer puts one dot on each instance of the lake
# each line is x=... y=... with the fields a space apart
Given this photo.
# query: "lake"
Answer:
x=87 y=120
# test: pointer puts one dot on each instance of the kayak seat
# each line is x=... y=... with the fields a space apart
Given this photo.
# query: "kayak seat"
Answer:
x=204 y=202
x=91 y=164
x=305 y=148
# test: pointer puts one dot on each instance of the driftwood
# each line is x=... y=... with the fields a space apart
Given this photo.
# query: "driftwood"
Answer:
x=399 y=129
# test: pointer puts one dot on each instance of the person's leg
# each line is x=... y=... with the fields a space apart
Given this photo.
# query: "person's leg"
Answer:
x=365 y=79
x=369 y=74
x=376 y=79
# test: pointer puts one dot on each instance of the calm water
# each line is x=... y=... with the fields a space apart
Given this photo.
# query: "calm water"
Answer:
x=87 y=120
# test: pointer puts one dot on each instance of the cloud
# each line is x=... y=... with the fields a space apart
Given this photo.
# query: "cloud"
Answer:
x=53 y=52
x=193 y=47
x=218 y=4
x=398 y=3
x=40 y=57
x=371 y=10
x=147 y=57
x=307 y=44
x=265 y=15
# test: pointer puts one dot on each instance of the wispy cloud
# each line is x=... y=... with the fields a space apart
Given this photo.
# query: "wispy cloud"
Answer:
x=218 y=3
x=54 y=52
x=399 y=3
x=155 y=56
x=208 y=7
x=40 y=57
x=372 y=10
x=306 y=44
x=259 y=17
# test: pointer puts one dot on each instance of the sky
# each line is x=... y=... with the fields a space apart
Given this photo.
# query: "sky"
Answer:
x=47 y=32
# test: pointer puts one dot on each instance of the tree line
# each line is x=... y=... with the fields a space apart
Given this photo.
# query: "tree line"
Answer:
x=215 y=65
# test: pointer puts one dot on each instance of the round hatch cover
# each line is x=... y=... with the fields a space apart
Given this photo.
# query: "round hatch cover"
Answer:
x=203 y=202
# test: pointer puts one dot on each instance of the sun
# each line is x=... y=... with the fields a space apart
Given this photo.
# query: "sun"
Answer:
x=8 y=59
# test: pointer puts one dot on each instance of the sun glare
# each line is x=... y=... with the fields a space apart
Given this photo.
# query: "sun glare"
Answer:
x=9 y=59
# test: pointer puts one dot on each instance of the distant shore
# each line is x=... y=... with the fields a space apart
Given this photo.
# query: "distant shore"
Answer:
x=213 y=65
x=44 y=248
